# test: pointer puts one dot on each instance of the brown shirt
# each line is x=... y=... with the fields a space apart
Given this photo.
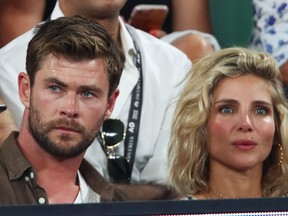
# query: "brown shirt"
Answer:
x=18 y=178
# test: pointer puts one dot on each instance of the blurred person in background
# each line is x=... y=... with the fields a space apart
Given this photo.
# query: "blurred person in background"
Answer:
x=187 y=25
x=270 y=32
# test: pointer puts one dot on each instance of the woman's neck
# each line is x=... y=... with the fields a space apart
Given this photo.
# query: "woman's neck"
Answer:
x=233 y=184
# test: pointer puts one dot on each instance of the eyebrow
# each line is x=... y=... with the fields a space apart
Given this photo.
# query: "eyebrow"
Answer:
x=54 y=80
x=232 y=101
x=226 y=101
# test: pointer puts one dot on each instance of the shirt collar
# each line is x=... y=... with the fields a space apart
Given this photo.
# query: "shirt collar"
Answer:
x=126 y=40
x=56 y=13
x=17 y=165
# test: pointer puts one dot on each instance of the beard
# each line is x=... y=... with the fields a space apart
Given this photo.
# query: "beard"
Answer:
x=64 y=145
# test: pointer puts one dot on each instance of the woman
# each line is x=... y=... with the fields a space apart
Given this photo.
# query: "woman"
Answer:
x=229 y=137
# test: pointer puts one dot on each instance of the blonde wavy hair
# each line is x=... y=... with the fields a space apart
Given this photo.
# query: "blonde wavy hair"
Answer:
x=188 y=151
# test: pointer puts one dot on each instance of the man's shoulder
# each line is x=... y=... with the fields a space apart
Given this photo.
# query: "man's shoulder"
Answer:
x=148 y=41
x=155 y=50
x=9 y=148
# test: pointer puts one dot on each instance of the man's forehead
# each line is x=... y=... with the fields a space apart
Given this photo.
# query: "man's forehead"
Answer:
x=86 y=72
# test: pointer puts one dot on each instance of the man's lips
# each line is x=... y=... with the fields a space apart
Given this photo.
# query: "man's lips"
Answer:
x=66 y=129
x=244 y=144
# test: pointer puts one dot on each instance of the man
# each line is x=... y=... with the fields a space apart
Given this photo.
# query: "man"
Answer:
x=160 y=69
x=73 y=70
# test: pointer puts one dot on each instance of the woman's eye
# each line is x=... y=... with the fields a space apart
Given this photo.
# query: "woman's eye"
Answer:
x=226 y=110
x=261 y=111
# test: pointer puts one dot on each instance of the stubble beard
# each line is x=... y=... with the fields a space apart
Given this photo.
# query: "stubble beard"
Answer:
x=40 y=131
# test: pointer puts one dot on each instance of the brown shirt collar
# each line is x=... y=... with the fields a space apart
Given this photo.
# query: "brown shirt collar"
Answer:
x=16 y=165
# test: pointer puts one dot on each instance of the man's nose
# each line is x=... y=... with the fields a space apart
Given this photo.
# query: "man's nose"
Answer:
x=69 y=106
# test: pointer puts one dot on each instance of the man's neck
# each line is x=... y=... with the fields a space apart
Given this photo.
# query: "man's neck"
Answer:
x=61 y=187
x=113 y=28
x=111 y=23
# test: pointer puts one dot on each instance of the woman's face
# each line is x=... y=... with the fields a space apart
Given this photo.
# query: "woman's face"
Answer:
x=241 y=126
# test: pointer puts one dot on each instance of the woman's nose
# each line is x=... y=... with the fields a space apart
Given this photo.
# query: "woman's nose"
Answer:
x=245 y=123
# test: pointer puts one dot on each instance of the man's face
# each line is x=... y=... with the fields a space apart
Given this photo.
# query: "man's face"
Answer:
x=69 y=101
x=97 y=9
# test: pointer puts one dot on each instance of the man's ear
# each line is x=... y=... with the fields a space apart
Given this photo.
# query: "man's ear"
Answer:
x=24 y=88
x=111 y=103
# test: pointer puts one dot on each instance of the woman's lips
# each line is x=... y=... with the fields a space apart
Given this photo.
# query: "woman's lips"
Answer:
x=244 y=144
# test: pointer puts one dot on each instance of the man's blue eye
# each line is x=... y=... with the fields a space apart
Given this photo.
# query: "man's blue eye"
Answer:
x=87 y=94
x=54 y=88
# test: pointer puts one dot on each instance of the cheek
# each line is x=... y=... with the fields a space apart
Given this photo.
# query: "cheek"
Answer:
x=266 y=132
x=43 y=100
x=92 y=114
x=266 y=129
x=218 y=130
x=44 y=105
x=218 y=133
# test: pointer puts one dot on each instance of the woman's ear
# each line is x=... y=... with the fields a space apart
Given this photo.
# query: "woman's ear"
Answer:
x=111 y=103
x=24 y=88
